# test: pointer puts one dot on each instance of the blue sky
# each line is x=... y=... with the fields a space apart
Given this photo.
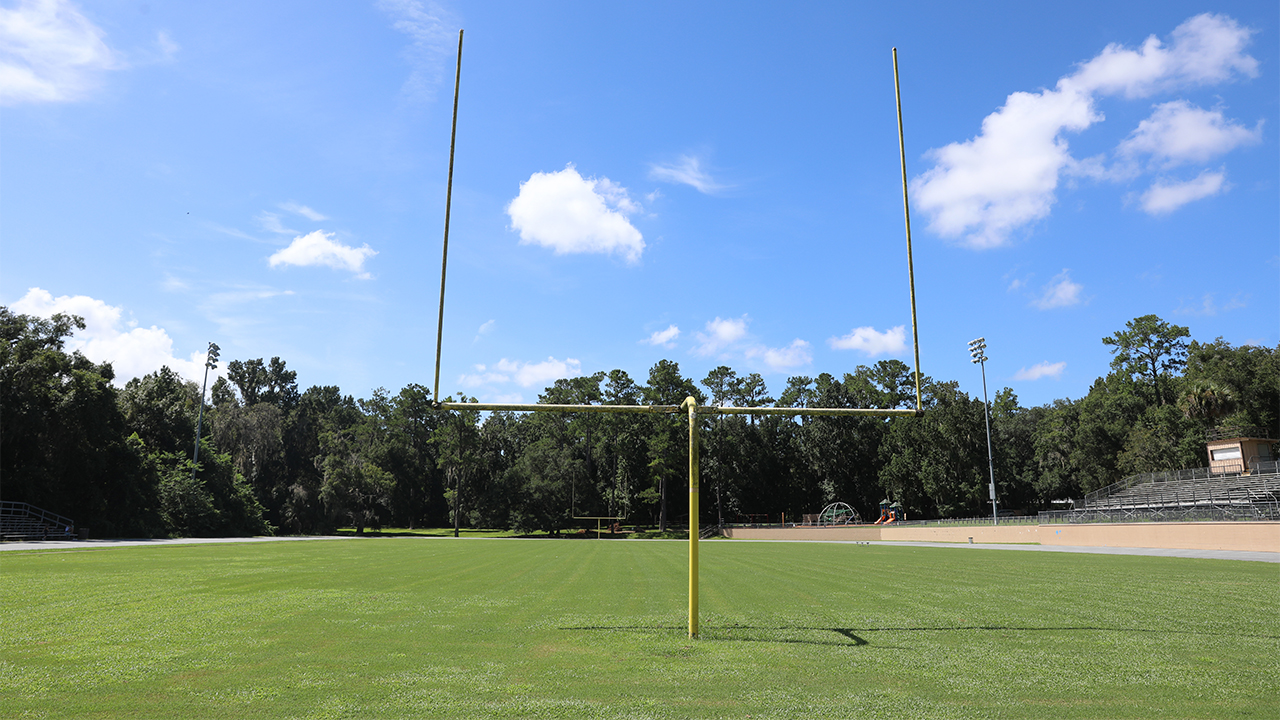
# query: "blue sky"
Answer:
x=713 y=185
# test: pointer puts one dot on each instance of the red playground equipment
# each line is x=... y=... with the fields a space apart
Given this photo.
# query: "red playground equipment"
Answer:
x=890 y=513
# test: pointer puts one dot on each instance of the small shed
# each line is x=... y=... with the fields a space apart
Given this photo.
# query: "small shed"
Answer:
x=1234 y=449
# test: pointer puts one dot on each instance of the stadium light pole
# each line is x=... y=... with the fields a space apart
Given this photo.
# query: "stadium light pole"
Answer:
x=210 y=362
x=977 y=349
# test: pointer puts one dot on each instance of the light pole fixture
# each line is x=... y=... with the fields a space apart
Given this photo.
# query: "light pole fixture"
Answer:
x=978 y=349
x=210 y=362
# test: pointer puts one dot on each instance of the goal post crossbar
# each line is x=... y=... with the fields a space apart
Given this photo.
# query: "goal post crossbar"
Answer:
x=673 y=409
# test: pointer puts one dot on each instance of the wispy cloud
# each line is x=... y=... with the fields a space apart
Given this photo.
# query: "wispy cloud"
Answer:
x=319 y=248
x=687 y=170
x=984 y=189
x=244 y=294
x=168 y=48
x=568 y=213
x=302 y=210
x=270 y=222
x=433 y=38
x=50 y=52
x=1208 y=307
x=484 y=329
x=236 y=233
x=872 y=342
x=1060 y=292
x=1040 y=370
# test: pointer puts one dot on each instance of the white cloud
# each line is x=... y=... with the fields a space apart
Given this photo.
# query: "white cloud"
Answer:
x=303 y=210
x=1164 y=196
x=132 y=352
x=686 y=171
x=778 y=359
x=1179 y=132
x=482 y=376
x=1044 y=369
x=1005 y=178
x=49 y=52
x=522 y=373
x=1060 y=292
x=572 y=214
x=720 y=335
x=484 y=329
x=1207 y=49
x=728 y=338
x=543 y=373
x=665 y=338
x=318 y=248
x=871 y=342
x=433 y=42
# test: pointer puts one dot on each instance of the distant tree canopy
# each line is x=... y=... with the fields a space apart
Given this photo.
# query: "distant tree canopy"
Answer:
x=274 y=459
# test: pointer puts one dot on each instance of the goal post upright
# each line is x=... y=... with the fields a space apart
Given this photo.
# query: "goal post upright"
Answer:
x=448 y=205
x=906 y=212
x=693 y=514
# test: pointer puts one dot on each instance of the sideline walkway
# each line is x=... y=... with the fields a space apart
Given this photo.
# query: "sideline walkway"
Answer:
x=1271 y=557
x=105 y=544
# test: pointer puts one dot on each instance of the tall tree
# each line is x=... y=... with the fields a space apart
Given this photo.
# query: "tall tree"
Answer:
x=459 y=454
x=63 y=443
x=666 y=447
x=1249 y=380
x=319 y=408
x=259 y=382
x=161 y=408
x=622 y=446
x=1151 y=351
x=936 y=465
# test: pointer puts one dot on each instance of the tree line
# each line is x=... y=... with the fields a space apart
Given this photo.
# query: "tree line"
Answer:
x=274 y=459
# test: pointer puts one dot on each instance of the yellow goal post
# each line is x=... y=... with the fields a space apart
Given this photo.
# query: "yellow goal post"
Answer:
x=690 y=405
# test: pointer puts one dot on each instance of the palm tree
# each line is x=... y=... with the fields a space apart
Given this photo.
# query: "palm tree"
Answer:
x=1207 y=400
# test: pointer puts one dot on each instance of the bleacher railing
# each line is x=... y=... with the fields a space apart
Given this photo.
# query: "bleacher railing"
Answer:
x=24 y=520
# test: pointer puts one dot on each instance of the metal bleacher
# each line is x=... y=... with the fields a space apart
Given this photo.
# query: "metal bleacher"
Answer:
x=1197 y=493
x=24 y=521
x=1197 y=487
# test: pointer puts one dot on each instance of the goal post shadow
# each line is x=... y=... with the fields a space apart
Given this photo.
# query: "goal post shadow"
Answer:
x=690 y=404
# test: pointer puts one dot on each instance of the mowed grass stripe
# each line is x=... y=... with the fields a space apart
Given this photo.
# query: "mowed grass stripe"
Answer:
x=572 y=628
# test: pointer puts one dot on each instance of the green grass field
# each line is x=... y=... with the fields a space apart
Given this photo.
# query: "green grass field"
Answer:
x=502 y=628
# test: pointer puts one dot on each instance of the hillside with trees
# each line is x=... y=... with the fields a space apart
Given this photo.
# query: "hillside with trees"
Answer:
x=274 y=459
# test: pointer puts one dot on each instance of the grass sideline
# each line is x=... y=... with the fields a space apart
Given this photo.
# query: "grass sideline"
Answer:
x=501 y=628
